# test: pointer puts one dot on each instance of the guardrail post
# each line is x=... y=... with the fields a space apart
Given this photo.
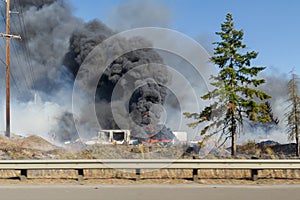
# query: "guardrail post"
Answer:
x=195 y=174
x=254 y=174
x=23 y=175
x=80 y=173
x=137 y=174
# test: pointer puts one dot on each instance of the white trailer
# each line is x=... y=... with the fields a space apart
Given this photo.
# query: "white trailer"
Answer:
x=114 y=136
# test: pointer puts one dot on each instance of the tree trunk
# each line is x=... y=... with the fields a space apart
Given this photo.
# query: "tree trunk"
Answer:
x=297 y=146
x=233 y=135
x=297 y=141
x=296 y=126
x=233 y=144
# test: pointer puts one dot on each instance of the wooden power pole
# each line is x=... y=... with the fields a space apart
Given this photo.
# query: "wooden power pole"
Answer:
x=8 y=36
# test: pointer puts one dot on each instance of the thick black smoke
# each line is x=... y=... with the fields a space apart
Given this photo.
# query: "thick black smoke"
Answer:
x=82 y=42
x=149 y=95
x=45 y=27
x=55 y=43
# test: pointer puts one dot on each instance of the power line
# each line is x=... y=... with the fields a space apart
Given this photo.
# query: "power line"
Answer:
x=24 y=44
x=23 y=70
x=21 y=67
x=12 y=77
x=7 y=39
x=3 y=53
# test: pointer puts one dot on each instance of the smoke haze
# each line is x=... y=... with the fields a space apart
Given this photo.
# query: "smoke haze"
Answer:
x=135 y=14
x=41 y=86
x=55 y=44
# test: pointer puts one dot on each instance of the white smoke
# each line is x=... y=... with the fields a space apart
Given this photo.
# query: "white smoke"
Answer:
x=136 y=13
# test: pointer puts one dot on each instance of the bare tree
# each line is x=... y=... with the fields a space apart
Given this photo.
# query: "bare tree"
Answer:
x=293 y=115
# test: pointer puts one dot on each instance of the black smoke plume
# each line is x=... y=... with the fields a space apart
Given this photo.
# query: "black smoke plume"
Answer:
x=45 y=27
x=57 y=43
x=143 y=100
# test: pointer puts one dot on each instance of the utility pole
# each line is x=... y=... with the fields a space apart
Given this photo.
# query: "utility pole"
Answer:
x=8 y=36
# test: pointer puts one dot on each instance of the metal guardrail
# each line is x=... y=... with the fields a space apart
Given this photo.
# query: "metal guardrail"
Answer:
x=138 y=165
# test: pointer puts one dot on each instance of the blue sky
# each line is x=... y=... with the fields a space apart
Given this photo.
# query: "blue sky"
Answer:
x=271 y=27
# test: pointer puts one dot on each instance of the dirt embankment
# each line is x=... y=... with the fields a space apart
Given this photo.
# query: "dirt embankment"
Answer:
x=32 y=147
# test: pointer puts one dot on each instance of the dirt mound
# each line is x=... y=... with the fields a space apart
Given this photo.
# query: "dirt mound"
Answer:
x=36 y=142
x=19 y=147
x=5 y=143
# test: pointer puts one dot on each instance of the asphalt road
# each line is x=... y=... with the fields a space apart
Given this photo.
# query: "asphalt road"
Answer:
x=153 y=192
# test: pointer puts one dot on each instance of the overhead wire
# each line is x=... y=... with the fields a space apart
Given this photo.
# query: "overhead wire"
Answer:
x=12 y=77
x=19 y=68
x=25 y=45
x=25 y=71
x=3 y=53
x=23 y=61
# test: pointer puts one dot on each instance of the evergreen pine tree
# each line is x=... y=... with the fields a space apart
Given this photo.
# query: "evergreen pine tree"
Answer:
x=235 y=97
